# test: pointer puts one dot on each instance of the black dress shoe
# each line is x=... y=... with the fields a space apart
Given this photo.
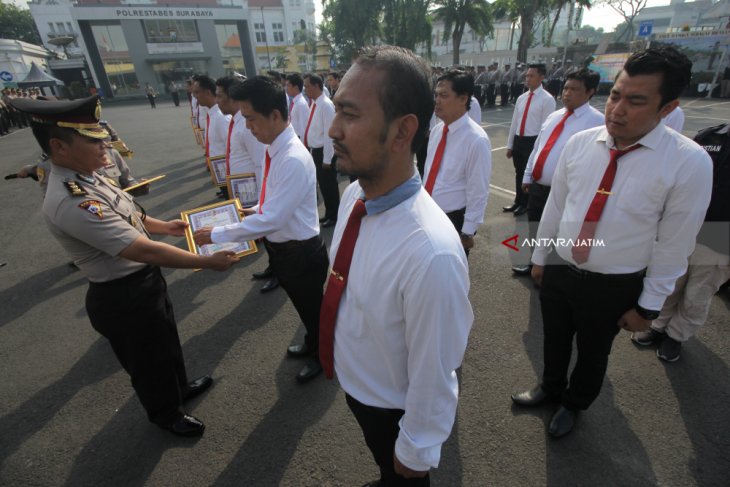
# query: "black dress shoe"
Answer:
x=520 y=210
x=265 y=274
x=522 y=270
x=300 y=350
x=323 y=219
x=197 y=387
x=534 y=397
x=374 y=483
x=510 y=208
x=309 y=372
x=185 y=425
x=562 y=422
x=329 y=223
x=270 y=285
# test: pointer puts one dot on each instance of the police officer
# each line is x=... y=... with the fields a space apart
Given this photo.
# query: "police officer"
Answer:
x=99 y=227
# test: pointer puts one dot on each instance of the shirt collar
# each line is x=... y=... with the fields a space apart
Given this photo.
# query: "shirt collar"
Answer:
x=394 y=197
x=281 y=140
x=459 y=122
x=299 y=95
x=584 y=108
x=652 y=140
x=238 y=116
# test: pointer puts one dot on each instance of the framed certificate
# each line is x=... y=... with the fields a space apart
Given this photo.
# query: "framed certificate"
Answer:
x=198 y=136
x=192 y=122
x=243 y=188
x=215 y=215
x=217 y=166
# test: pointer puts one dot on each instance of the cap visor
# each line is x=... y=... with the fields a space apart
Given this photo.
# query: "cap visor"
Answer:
x=96 y=133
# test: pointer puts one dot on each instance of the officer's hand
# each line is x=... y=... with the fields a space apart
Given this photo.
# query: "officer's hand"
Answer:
x=406 y=472
x=536 y=273
x=632 y=321
x=222 y=261
x=202 y=236
x=509 y=154
x=467 y=241
x=525 y=188
x=176 y=228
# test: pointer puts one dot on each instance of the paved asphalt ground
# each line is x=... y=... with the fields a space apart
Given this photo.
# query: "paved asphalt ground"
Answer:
x=68 y=415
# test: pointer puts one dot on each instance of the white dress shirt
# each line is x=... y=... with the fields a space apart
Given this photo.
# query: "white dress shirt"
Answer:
x=317 y=137
x=542 y=105
x=201 y=112
x=657 y=204
x=290 y=207
x=675 y=119
x=475 y=111
x=404 y=320
x=299 y=115
x=584 y=117
x=217 y=132
x=247 y=153
x=194 y=109
x=466 y=166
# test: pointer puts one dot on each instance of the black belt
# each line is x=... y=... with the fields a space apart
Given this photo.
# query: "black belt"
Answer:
x=584 y=274
x=289 y=245
x=543 y=186
x=137 y=276
x=526 y=137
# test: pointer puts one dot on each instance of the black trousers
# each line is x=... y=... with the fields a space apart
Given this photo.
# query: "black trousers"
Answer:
x=327 y=179
x=301 y=267
x=152 y=101
x=504 y=94
x=457 y=218
x=536 y=199
x=587 y=306
x=380 y=429
x=521 y=149
x=491 y=94
x=175 y=98
x=135 y=314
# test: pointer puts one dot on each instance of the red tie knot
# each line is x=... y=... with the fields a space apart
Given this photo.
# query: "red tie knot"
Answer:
x=359 y=210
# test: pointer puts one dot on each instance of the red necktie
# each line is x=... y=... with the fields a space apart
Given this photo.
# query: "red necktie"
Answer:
x=436 y=164
x=228 y=147
x=554 y=136
x=588 y=230
x=263 y=185
x=336 y=284
x=524 y=115
x=207 y=126
x=309 y=122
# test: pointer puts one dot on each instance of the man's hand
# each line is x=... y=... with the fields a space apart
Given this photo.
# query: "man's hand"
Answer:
x=632 y=321
x=406 y=472
x=526 y=187
x=222 y=261
x=536 y=273
x=202 y=236
x=509 y=154
x=176 y=228
x=467 y=241
x=244 y=212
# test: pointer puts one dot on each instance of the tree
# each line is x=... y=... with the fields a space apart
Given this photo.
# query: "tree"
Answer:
x=457 y=14
x=628 y=9
x=406 y=23
x=18 y=24
x=350 y=24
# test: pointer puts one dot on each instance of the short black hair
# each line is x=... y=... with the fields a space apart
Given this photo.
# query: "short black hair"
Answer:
x=315 y=79
x=673 y=65
x=43 y=134
x=539 y=67
x=226 y=82
x=263 y=93
x=295 y=79
x=206 y=83
x=461 y=82
x=406 y=85
x=588 y=77
x=334 y=74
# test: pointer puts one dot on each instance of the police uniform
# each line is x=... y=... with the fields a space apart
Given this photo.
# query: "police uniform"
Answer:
x=127 y=301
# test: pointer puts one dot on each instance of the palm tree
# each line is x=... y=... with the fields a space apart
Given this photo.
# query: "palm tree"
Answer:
x=457 y=14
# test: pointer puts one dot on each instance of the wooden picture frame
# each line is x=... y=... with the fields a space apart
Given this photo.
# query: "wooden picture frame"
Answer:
x=244 y=188
x=217 y=166
x=217 y=214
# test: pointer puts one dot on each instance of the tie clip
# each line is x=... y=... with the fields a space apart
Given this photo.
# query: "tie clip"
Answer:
x=337 y=275
x=603 y=191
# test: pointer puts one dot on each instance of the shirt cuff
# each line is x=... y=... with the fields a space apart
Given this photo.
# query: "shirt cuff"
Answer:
x=539 y=256
x=413 y=457
x=218 y=235
x=651 y=301
x=470 y=228
x=527 y=178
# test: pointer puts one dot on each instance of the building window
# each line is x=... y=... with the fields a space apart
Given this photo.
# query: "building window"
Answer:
x=52 y=29
x=61 y=27
x=278 y=29
x=112 y=45
x=162 y=31
x=229 y=43
x=260 y=30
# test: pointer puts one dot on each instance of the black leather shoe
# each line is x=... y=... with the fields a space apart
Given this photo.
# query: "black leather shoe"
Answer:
x=510 y=208
x=185 y=425
x=522 y=270
x=265 y=274
x=534 y=397
x=562 y=422
x=197 y=387
x=309 y=372
x=270 y=285
x=520 y=210
x=323 y=219
x=329 y=223
x=374 y=483
x=298 y=350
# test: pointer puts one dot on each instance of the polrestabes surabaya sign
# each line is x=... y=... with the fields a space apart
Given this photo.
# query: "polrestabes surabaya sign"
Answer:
x=130 y=13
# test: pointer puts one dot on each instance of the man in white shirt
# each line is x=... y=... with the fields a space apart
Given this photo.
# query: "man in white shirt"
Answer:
x=626 y=203
x=298 y=106
x=317 y=140
x=401 y=320
x=216 y=124
x=531 y=110
x=286 y=216
x=576 y=115
x=333 y=82
x=459 y=157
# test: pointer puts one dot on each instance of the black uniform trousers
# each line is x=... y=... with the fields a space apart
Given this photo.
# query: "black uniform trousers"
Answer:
x=586 y=305
x=380 y=429
x=327 y=179
x=521 y=150
x=536 y=200
x=504 y=94
x=135 y=314
x=491 y=94
x=457 y=218
x=175 y=98
x=301 y=267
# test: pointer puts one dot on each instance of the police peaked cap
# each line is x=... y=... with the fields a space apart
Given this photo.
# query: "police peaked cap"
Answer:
x=81 y=115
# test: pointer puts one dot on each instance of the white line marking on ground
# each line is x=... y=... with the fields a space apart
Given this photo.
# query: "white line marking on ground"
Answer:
x=503 y=190
x=499 y=148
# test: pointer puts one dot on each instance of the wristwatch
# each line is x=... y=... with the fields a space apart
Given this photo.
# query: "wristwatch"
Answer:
x=647 y=314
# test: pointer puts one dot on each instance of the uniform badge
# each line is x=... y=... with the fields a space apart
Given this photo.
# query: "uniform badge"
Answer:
x=112 y=182
x=85 y=178
x=74 y=188
x=93 y=207
x=41 y=174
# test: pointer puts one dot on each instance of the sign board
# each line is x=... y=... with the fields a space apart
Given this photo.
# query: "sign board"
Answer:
x=645 y=28
x=6 y=76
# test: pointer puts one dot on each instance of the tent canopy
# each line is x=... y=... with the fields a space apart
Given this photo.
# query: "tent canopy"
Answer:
x=37 y=77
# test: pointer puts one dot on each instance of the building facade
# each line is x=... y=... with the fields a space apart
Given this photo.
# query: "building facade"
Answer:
x=16 y=58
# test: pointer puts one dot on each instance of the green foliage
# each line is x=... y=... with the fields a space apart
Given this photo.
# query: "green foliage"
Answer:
x=350 y=24
x=406 y=23
x=457 y=14
x=18 y=24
